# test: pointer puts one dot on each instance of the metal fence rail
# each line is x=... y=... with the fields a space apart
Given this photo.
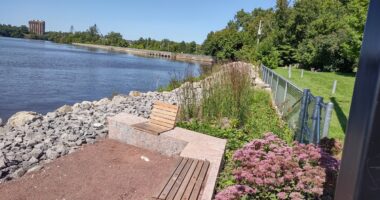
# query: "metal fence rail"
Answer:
x=307 y=115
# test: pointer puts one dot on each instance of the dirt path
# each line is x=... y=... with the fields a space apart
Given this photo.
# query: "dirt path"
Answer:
x=105 y=170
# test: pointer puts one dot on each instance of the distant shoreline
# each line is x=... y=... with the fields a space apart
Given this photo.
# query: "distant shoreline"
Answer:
x=153 y=53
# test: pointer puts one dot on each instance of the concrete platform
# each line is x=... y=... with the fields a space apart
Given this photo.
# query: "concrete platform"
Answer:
x=179 y=141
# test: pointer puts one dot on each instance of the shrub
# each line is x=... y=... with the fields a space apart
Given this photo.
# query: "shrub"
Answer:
x=270 y=169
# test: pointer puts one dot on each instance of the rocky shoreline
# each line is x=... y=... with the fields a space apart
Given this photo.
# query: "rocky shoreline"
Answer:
x=28 y=139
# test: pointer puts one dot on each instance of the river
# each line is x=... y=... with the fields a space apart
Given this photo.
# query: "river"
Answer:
x=41 y=76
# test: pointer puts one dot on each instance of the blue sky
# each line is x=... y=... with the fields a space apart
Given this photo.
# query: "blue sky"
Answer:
x=188 y=20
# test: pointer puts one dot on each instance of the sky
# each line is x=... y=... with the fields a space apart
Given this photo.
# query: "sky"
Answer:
x=178 y=20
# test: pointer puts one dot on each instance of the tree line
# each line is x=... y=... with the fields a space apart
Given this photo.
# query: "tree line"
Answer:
x=13 y=31
x=93 y=36
x=324 y=35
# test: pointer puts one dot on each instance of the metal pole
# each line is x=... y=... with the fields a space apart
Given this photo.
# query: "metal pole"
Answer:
x=265 y=74
x=303 y=115
x=302 y=73
x=286 y=90
x=275 y=93
x=326 y=125
x=316 y=120
x=290 y=72
x=359 y=176
x=271 y=81
x=334 y=87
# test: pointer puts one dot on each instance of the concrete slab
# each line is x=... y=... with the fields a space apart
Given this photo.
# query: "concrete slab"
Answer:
x=186 y=143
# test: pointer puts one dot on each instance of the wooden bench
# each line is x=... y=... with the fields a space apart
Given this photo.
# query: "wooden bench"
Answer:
x=162 y=119
x=186 y=182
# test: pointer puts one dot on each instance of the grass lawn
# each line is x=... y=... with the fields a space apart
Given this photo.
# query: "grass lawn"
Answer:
x=320 y=84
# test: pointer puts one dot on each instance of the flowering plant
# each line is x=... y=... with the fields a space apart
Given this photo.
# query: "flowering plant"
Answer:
x=270 y=169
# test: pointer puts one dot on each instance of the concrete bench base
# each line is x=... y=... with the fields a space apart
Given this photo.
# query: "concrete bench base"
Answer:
x=120 y=129
x=178 y=141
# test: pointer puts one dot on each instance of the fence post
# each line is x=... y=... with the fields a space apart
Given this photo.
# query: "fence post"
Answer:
x=316 y=120
x=303 y=115
x=286 y=90
x=271 y=81
x=263 y=70
x=326 y=125
x=275 y=93
x=290 y=72
x=334 y=87
x=302 y=73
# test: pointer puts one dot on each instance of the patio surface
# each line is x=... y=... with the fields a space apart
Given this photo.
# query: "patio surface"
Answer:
x=105 y=170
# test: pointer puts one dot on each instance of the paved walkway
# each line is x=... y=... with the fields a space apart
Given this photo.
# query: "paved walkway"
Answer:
x=105 y=170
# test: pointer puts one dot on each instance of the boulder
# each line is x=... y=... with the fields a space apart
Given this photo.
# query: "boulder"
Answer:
x=51 y=154
x=102 y=102
x=64 y=109
x=18 y=173
x=2 y=162
x=97 y=125
x=134 y=93
x=35 y=168
x=86 y=105
x=22 y=118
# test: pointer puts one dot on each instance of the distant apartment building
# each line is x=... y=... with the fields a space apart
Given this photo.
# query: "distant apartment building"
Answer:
x=37 y=27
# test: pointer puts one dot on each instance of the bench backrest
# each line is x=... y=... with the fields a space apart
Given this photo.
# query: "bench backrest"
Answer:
x=164 y=114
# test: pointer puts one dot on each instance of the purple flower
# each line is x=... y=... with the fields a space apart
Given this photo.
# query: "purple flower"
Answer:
x=281 y=195
x=270 y=165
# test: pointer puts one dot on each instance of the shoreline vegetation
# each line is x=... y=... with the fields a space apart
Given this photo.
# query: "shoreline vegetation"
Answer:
x=202 y=59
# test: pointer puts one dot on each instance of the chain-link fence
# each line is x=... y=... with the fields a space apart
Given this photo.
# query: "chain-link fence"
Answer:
x=307 y=115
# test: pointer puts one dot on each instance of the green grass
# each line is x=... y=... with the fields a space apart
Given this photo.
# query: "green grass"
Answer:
x=320 y=84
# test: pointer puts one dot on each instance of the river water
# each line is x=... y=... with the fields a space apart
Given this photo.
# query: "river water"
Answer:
x=42 y=76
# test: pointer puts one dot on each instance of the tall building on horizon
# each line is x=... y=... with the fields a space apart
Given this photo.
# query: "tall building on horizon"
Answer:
x=37 y=27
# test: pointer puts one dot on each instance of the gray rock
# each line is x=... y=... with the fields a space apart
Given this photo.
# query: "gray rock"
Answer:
x=36 y=152
x=61 y=149
x=102 y=102
x=64 y=109
x=86 y=105
x=22 y=118
x=134 y=93
x=72 y=137
x=33 y=160
x=51 y=154
x=18 y=173
x=3 y=162
x=97 y=125
x=35 y=168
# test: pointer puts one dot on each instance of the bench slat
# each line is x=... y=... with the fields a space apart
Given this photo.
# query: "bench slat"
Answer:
x=185 y=182
x=166 y=125
x=179 y=180
x=167 y=121
x=198 y=184
x=162 y=186
x=165 y=104
x=150 y=128
x=163 y=116
x=164 y=112
x=190 y=186
x=172 y=180
x=161 y=107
